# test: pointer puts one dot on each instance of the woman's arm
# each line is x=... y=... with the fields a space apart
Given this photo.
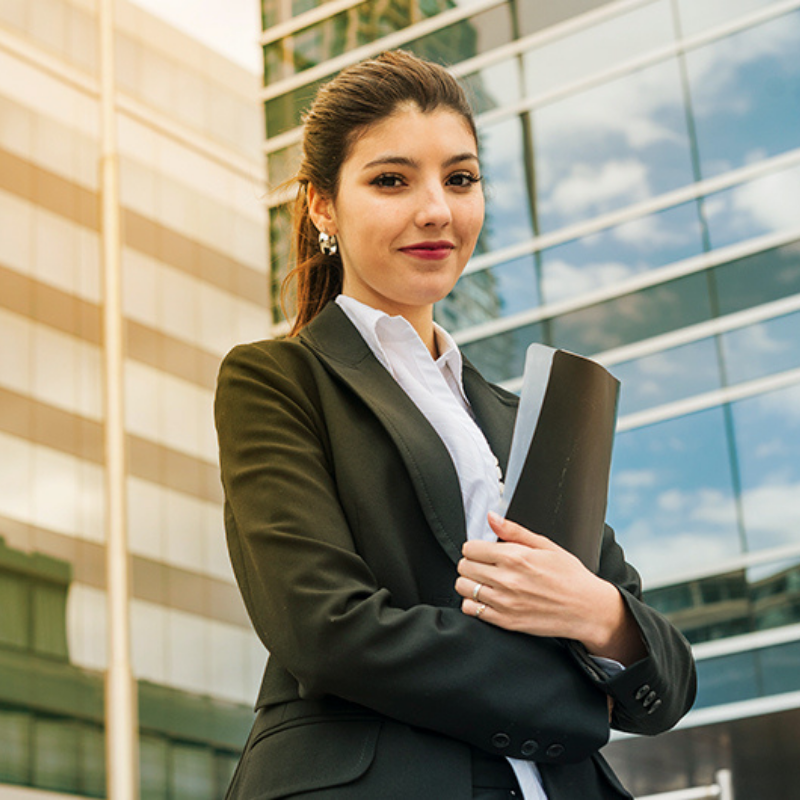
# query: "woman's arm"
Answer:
x=527 y=583
x=318 y=608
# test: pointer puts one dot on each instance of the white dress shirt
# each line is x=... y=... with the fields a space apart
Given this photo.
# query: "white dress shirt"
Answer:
x=437 y=390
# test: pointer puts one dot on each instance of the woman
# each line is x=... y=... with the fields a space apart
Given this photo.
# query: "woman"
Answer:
x=420 y=647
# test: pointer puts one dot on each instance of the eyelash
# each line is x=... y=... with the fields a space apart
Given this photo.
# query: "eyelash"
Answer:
x=469 y=180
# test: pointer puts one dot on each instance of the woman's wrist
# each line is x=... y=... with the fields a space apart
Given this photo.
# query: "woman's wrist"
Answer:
x=612 y=631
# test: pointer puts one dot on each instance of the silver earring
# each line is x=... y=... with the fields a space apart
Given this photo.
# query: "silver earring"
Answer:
x=327 y=244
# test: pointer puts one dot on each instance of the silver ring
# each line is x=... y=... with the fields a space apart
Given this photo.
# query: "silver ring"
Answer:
x=479 y=610
x=478 y=587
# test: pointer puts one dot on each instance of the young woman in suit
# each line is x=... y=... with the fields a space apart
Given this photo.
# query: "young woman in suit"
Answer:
x=421 y=648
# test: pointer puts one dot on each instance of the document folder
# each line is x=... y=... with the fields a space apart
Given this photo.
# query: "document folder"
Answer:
x=558 y=470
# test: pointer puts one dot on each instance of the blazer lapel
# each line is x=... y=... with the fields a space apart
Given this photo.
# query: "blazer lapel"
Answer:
x=339 y=346
x=495 y=411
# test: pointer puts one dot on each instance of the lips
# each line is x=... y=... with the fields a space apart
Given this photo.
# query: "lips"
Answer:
x=429 y=250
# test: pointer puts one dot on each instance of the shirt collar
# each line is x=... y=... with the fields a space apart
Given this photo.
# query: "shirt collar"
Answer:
x=375 y=325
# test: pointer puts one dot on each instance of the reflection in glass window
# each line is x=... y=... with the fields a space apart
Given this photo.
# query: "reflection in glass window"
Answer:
x=668 y=376
x=767 y=434
x=764 y=349
x=192 y=773
x=502 y=357
x=727 y=679
x=671 y=496
x=698 y=15
x=505 y=163
x=598 y=47
x=495 y=86
x=611 y=146
x=632 y=317
x=14 y=745
x=56 y=755
x=744 y=92
x=765 y=205
x=615 y=254
x=488 y=294
x=280 y=240
x=760 y=278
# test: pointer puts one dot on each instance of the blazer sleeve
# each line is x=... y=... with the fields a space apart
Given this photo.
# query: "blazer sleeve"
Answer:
x=317 y=606
x=653 y=694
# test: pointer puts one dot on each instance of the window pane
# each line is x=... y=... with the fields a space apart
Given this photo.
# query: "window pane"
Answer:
x=615 y=254
x=668 y=376
x=192 y=773
x=744 y=92
x=15 y=620
x=767 y=433
x=760 y=278
x=727 y=679
x=14 y=746
x=154 y=766
x=611 y=146
x=765 y=205
x=672 y=494
x=491 y=293
x=49 y=618
x=598 y=47
x=632 y=317
x=763 y=349
x=698 y=15
x=506 y=163
x=93 y=762
x=493 y=87
x=55 y=747
x=502 y=357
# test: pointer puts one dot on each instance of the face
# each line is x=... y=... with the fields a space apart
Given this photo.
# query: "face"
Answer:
x=408 y=211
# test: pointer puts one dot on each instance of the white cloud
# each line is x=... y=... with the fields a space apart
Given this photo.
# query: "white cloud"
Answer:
x=591 y=186
x=563 y=279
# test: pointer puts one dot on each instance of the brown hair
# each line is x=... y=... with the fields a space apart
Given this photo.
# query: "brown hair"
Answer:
x=345 y=107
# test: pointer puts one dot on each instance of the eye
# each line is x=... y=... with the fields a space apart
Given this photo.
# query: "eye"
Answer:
x=388 y=181
x=463 y=180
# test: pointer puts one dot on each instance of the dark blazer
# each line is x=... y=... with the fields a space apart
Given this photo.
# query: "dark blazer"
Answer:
x=345 y=523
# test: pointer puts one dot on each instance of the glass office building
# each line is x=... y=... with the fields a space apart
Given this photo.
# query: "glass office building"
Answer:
x=642 y=164
x=194 y=268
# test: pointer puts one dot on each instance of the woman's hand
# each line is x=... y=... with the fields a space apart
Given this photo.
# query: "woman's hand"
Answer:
x=525 y=582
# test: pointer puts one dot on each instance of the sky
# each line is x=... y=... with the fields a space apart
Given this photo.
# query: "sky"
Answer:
x=231 y=27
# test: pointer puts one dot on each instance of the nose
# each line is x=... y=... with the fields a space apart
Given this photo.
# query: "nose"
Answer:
x=434 y=209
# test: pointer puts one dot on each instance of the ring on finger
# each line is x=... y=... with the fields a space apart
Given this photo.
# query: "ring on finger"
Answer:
x=479 y=610
x=476 y=590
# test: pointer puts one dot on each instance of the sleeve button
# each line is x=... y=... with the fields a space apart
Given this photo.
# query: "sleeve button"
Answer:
x=555 y=751
x=501 y=740
x=641 y=692
x=653 y=708
x=649 y=700
x=529 y=747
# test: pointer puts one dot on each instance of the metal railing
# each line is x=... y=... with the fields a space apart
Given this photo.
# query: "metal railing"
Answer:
x=721 y=789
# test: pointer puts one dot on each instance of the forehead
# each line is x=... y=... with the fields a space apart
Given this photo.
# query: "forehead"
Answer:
x=411 y=132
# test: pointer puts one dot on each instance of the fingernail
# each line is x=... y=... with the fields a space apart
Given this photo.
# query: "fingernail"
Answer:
x=494 y=517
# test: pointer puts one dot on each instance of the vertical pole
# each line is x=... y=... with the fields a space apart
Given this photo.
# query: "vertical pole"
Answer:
x=121 y=705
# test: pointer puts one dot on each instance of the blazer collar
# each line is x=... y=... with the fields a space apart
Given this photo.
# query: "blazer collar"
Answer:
x=337 y=343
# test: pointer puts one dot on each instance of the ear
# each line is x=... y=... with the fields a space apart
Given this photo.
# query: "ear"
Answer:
x=321 y=211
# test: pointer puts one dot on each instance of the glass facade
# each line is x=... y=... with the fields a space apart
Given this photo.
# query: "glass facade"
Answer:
x=194 y=274
x=642 y=164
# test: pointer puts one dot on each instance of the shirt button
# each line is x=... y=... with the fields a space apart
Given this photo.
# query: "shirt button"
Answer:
x=529 y=747
x=641 y=692
x=555 y=751
x=501 y=740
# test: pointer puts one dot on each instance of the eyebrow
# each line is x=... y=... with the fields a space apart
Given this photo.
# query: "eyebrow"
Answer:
x=404 y=161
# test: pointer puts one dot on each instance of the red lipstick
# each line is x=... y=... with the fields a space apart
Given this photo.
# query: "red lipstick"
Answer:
x=431 y=251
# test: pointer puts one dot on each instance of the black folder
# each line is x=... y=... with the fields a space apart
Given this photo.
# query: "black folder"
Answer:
x=560 y=461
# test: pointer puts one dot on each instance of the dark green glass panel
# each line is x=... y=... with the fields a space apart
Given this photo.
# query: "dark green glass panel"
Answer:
x=154 y=767
x=780 y=668
x=15 y=619
x=15 y=757
x=283 y=113
x=225 y=767
x=192 y=773
x=760 y=278
x=56 y=763
x=49 y=615
x=728 y=679
x=93 y=762
x=280 y=237
x=633 y=317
